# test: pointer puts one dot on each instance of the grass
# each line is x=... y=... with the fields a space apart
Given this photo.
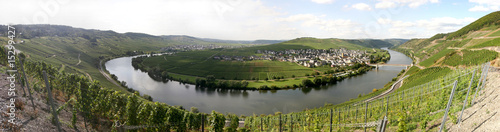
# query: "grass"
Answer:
x=494 y=42
x=187 y=66
x=495 y=34
x=201 y=64
x=469 y=58
x=431 y=60
x=229 y=70
x=424 y=76
x=417 y=109
x=279 y=83
x=412 y=70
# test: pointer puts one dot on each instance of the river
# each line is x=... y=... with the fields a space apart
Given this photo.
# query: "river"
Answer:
x=250 y=102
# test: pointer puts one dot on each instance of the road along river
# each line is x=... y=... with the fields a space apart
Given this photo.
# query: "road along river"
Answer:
x=248 y=102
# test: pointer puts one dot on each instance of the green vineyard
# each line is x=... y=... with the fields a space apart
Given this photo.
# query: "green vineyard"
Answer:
x=403 y=109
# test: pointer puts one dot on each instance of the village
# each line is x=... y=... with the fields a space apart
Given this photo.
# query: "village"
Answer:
x=197 y=47
x=307 y=57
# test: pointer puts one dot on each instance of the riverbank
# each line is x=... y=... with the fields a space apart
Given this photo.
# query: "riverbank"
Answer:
x=316 y=78
x=248 y=102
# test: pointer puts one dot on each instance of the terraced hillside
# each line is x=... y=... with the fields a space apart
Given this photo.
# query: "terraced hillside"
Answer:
x=473 y=44
x=187 y=66
x=77 y=50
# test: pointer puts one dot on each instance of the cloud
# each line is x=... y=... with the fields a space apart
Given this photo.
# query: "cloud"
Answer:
x=445 y=24
x=385 y=4
x=320 y=26
x=362 y=6
x=486 y=2
x=409 y=3
x=323 y=1
x=424 y=27
x=485 y=5
x=479 y=8
x=384 y=21
x=222 y=19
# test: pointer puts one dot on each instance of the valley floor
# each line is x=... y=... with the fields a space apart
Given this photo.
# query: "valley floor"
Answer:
x=485 y=115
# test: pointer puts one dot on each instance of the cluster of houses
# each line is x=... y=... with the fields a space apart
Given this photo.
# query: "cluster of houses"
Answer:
x=195 y=47
x=307 y=57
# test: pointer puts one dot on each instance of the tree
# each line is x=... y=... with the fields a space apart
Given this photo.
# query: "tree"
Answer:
x=307 y=82
x=234 y=121
x=217 y=121
x=158 y=116
x=132 y=110
x=144 y=112
x=175 y=118
x=324 y=80
x=317 y=81
x=210 y=78
x=333 y=79
x=194 y=110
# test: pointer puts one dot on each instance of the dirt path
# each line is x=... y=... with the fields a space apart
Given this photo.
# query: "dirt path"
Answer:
x=485 y=38
x=492 y=48
x=394 y=86
x=88 y=75
x=107 y=76
x=79 y=61
x=491 y=33
x=485 y=115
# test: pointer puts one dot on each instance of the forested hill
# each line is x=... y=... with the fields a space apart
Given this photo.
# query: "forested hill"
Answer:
x=316 y=43
x=473 y=44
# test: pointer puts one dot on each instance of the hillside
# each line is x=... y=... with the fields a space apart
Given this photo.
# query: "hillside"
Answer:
x=261 y=73
x=419 y=104
x=78 y=50
x=341 y=43
x=473 y=44
x=242 y=41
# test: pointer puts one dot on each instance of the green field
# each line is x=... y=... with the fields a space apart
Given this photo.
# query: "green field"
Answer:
x=201 y=63
x=61 y=46
x=424 y=76
x=497 y=33
x=197 y=64
x=431 y=60
x=186 y=66
x=494 y=42
x=469 y=58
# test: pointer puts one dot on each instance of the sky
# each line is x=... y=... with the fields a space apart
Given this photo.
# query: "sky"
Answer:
x=256 y=19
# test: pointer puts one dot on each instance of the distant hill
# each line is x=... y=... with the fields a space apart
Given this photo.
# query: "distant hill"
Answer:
x=80 y=50
x=338 y=43
x=470 y=45
x=395 y=41
x=243 y=41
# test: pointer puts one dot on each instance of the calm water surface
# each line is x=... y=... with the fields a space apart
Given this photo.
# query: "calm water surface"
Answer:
x=248 y=102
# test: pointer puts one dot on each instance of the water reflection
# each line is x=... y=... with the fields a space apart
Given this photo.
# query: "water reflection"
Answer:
x=254 y=101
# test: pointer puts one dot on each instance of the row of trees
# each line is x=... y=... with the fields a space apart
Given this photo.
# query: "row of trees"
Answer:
x=104 y=106
x=378 y=58
x=323 y=80
x=211 y=82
